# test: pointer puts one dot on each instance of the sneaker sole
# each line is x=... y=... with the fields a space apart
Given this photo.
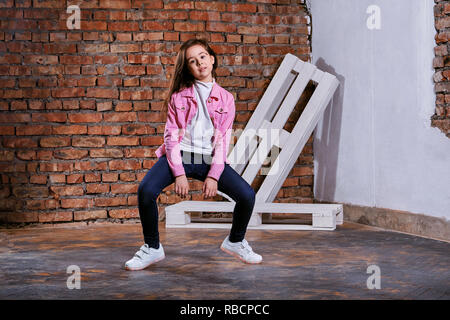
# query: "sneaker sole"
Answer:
x=137 y=269
x=238 y=256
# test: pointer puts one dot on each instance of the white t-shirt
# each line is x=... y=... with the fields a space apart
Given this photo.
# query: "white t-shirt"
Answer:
x=200 y=130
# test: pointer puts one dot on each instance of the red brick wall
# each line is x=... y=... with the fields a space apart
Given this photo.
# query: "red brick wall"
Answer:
x=80 y=109
x=441 y=118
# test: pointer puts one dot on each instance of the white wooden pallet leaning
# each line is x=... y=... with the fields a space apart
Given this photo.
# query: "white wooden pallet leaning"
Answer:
x=256 y=142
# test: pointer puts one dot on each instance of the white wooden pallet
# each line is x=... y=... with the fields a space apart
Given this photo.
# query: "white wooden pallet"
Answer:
x=324 y=216
x=249 y=154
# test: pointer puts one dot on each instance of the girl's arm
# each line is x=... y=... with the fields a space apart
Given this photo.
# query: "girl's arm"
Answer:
x=172 y=137
x=222 y=138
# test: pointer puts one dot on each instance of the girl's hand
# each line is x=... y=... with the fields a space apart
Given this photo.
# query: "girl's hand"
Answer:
x=181 y=186
x=209 y=188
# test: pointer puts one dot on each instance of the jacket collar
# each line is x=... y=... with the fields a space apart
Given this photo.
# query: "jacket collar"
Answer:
x=189 y=92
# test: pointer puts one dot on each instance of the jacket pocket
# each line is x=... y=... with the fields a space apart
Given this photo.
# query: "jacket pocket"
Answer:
x=220 y=115
x=182 y=111
x=181 y=108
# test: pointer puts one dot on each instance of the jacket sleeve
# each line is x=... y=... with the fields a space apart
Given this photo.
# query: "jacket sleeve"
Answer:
x=172 y=135
x=222 y=140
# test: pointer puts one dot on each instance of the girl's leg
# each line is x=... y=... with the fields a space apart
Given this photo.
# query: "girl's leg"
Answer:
x=232 y=184
x=156 y=179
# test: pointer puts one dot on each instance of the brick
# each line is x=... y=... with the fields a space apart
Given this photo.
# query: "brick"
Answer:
x=104 y=130
x=76 y=60
x=90 y=215
x=136 y=95
x=124 y=213
x=26 y=155
x=69 y=129
x=58 y=216
x=93 y=48
x=133 y=70
x=234 y=7
x=67 y=190
x=106 y=59
x=102 y=93
x=14 y=59
x=122 y=141
x=220 y=27
x=54 y=167
x=68 y=92
x=302 y=171
x=123 y=26
x=202 y=15
x=54 y=142
x=76 y=203
x=124 y=188
x=67 y=154
x=120 y=117
x=110 y=177
x=128 y=176
x=124 y=165
x=152 y=141
x=107 y=153
x=84 y=117
x=6 y=155
x=57 y=178
x=115 y=4
x=53 y=48
x=97 y=188
x=33 y=130
x=92 y=177
x=14 y=167
x=213 y=6
x=19 y=143
x=110 y=202
x=18 y=217
x=92 y=142
x=145 y=4
x=30 y=192
x=49 y=117
x=251 y=29
x=35 y=204
x=15 y=117
x=119 y=48
x=189 y=26
x=90 y=166
x=137 y=129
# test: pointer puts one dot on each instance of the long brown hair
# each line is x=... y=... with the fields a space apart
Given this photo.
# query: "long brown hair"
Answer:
x=182 y=77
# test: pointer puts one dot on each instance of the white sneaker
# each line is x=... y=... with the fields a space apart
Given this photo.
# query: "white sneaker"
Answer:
x=145 y=257
x=241 y=250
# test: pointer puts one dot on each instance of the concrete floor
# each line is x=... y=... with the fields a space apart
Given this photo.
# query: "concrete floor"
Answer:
x=297 y=264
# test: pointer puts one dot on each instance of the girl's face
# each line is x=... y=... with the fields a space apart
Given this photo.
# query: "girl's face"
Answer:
x=200 y=63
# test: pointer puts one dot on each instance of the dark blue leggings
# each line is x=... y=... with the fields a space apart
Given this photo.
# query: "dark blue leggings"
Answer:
x=195 y=166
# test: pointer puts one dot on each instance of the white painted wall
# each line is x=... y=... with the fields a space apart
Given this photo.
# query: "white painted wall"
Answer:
x=375 y=145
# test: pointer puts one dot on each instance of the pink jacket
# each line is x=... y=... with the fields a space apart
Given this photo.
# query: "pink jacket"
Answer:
x=182 y=108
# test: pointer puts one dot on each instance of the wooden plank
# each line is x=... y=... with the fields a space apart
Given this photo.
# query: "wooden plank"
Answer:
x=298 y=138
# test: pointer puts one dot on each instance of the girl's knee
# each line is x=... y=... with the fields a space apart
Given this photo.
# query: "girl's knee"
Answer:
x=247 y=195
x=147 y=191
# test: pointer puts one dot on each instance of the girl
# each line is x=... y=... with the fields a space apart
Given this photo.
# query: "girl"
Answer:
x=200 y=116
